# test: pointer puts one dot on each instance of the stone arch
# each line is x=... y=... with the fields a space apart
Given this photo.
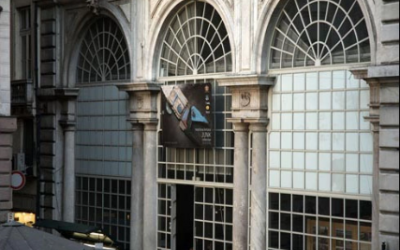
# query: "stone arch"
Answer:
x=269 y=17
x=162 y=17
x=82 y=25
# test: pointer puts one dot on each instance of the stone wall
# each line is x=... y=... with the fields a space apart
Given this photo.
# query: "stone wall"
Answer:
x=7 y=127
x=5 y=102
x=384 y=82
x=387 y=22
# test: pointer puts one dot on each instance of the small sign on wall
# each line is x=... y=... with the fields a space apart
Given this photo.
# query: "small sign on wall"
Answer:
x=187 y=120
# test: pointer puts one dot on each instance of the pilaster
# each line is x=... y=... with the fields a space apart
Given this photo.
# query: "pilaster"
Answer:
x=249 y=114
x=241 y=186
x=384 y=118
x=68 y=123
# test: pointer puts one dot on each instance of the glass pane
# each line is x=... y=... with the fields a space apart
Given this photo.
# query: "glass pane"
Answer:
x=325 y=182
x=324 y=206
x=298 y=180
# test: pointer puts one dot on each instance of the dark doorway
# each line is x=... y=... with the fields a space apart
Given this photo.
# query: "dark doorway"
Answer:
x=185 y=217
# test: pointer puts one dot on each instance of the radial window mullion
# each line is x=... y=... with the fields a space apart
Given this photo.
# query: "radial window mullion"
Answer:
x=329 y=45
x=103 y=41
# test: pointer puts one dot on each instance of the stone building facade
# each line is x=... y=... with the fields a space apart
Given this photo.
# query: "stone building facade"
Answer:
x=305 y=108
x=7 y=124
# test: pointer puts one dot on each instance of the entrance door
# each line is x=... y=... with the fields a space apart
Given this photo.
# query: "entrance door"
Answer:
x=184 y=217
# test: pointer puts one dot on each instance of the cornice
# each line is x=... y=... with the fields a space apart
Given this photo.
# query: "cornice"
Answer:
x=246 y=81
x=58 y=94
x=140 y=87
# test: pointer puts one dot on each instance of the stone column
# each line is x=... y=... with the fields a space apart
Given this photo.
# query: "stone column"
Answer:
x=144 y=117
x=249 y=108
x=137 y=188
x=150 y=187
x=241 y=191
x=67 y=121
x=258 y=187
x=68 y=203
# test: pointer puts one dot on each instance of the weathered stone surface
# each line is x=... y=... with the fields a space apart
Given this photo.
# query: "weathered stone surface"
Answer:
x=6 y=140
x=389 y=138
x=5 y=166
x=5 y=205
x=391 y=241
x=390 y=33
x=5 y=193
x=389 y=182
x=390 y=12
x=7 y=124
x=389 y=202
x=5 y=153
x=390 y=95
x=389 y=116
x=5 y=180
x=389 y=223
x=389 y=159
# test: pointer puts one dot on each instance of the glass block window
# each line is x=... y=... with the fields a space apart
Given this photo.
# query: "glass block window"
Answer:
x=321 y=32
x=196 y=42
x=105 y=203
x=103 y=136
x=298 y=222
x=206 y=165
x=319 y=140
x=104 y=54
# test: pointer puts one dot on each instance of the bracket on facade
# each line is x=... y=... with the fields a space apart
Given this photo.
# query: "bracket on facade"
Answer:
x=143 y=98
x=249 y=97
x=94 y=6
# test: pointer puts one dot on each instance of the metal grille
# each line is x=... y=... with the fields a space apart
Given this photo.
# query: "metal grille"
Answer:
x=105 y=203
x=320 y=32
x=104 y=54
x=196 y=42
x=298 y=222
x=165 y=207
x=213 y=219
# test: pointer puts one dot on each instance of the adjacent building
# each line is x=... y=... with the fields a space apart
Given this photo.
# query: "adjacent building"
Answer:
x=7 y=124
x=305 y=104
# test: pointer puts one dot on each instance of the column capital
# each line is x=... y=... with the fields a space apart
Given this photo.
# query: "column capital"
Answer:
x=151 y=127
x=240 y=126
x=136 y=126
x=143 y=101
x=249 y=95
x=258 y=127
x=68 y=125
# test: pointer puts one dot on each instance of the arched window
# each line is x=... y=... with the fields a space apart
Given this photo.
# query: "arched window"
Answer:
x=194 y=49
x=320 y=147
x=104 y=54
x=320 y=32
x=196 y=42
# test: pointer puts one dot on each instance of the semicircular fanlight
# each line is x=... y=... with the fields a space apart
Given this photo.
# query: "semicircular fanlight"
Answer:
x=104 y=54
x=196 y=42
x=320 y=32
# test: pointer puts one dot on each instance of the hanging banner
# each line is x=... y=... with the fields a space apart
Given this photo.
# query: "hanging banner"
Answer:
x=187 y=120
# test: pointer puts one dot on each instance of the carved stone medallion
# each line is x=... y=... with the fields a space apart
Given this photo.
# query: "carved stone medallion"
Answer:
x=245 y=99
